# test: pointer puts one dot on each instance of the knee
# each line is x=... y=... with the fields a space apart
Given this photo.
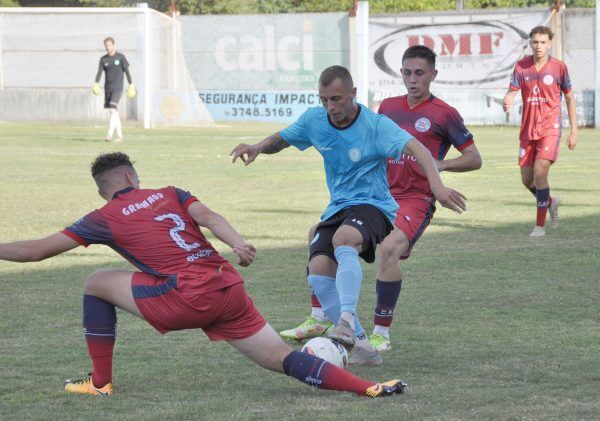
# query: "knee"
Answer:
x=93 y=283
x=527 y=182
x=391 y=251
x=342 y=239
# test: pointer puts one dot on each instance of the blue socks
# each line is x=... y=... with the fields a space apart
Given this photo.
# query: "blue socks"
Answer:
x=325 y=289
x=348 y=278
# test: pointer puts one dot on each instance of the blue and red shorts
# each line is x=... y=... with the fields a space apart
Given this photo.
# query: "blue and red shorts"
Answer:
x=223 y=314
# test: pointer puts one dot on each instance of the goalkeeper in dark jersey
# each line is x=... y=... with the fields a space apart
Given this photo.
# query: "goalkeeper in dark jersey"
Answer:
x=114 y=66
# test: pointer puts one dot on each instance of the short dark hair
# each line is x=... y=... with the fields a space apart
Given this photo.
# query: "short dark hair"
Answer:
x=111 y=39
x=336 y=72
x=420 y=51
x=542 y=30
x=109 y=161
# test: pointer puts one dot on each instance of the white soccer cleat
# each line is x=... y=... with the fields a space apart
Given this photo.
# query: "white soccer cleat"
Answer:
x=553 y=211
x=538 y=232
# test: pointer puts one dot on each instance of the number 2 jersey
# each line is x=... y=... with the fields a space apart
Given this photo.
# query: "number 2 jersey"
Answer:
x=152 y=229
x=433 y=123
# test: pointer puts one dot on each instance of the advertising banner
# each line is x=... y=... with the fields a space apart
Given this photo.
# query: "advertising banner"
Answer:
x=476 y=55
x=262 y=67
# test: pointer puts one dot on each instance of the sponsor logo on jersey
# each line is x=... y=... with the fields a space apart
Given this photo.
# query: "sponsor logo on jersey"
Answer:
x=106 y=63
x=324 y=148
x=199 y=255
x=535 y=100
x=354 y=155
x=422 y=125
x=548 y=79
x=134 y=207
x=403 y=157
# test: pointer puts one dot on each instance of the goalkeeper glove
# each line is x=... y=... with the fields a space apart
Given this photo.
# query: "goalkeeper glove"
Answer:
x=96 y=89
x=131 y=91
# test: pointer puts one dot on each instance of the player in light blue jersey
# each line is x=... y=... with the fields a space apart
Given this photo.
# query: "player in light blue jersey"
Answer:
x=354 y=143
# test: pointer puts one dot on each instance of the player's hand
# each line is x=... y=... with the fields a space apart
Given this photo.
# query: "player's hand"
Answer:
x=572 y=141
x=507 y=103
x=451 y=199
x=245 y=253
x=96 y=89
x=131 y=91
x=247 y=153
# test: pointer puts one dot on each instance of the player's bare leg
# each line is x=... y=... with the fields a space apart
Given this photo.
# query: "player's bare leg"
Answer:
x=103 y=290
x=114 y=287
x=389 y=284
x=268 y=350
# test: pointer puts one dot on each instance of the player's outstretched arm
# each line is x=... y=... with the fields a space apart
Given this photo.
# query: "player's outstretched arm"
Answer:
x=572 y=111
x=447 y=197
x=223 y=230
x=508 y=100
x=469 y=160
x=36 y=250
x=269 y=145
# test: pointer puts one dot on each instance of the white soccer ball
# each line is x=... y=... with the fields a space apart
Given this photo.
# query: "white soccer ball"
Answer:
x=327 y=349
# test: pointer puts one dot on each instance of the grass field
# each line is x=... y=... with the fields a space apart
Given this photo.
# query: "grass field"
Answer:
x=491 y=323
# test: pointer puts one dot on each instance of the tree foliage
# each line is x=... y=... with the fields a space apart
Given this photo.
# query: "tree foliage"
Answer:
x=200 y=7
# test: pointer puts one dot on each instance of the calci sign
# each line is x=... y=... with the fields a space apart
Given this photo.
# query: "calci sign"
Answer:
x=475 y=57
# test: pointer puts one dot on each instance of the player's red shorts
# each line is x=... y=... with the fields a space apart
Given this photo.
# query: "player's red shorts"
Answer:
x=224 y=314
x=413 y=217
x=532 y=150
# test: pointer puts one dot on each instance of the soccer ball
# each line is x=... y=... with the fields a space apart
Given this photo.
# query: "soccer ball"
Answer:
x=327 y=349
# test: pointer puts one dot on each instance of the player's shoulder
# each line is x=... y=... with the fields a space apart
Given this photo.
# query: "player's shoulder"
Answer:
x=442 y=106
x=557 y=63
x=525 y=62
x=393 y=102
x=313 y=115
x=371 y=118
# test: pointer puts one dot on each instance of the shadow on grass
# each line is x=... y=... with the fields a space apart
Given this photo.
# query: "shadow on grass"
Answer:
x=487 y=306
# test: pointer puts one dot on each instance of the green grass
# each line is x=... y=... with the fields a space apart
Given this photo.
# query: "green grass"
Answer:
x=491 y=324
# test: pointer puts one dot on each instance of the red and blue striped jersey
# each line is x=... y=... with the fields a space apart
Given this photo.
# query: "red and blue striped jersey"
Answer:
x=152 y=229
x=433 y=123
x=541 y=91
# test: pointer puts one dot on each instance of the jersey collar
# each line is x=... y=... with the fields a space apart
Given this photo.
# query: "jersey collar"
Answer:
x=120 y=192
x=349 y=125
x=425 y=101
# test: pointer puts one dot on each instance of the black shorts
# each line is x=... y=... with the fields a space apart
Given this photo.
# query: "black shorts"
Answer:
x=369 y=220
x=111 y=99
